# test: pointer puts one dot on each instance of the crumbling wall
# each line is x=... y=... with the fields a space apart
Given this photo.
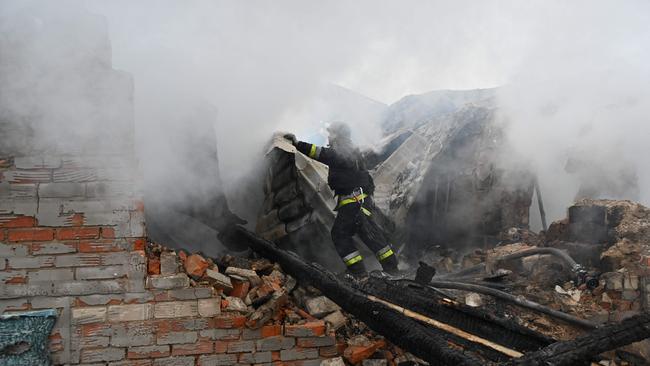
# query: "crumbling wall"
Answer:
x=72 y=230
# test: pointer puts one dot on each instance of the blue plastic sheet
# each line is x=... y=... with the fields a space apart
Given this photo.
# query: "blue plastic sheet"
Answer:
x=24 y=337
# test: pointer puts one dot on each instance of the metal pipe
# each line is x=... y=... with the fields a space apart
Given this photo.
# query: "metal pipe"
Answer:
x=515 y=300
x=575 y=267
x=540 y=203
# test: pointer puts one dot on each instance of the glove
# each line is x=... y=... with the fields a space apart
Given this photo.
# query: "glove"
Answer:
x=291 y=137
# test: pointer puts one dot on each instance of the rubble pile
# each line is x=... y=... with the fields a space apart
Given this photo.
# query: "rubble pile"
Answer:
x=609 y=240
x=258 y=295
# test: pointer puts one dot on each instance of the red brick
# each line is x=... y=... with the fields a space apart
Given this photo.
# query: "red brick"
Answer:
x=240 y=288
x=18 y=280
x=77 y=233
x=108 y=233
x=197 y=348
x=329 y=352
x=35 y=234
x=139 y=244
x=220 y=347
x=56 y=342
x=356 y=354
x=275 y=355
x=271 y=330
x=226 y=322
x=91 y=330
x=20 y=221
x=2 y=235
x=153 y=266
x=195 y=265
x=139 y=205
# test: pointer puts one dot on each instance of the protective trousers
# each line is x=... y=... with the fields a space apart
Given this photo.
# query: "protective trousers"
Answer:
x=356 y=218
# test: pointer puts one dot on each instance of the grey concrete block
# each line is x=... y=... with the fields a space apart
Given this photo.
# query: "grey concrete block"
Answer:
x=92 y=300
x=89 y=315
x=218 y=360
x=53 y=248
x=140 y=297
x=43 y=302
x=320 y=306
x=24 y=206
x=37 y=162
x=168 y=264
x=309 y=342
x=94 y=342
x=241 y=346
x=130 y=312
x=103 y=354
x=298 y=354
x=100 y=272
x=174 y=361
x=109 y=189
x=51 y=275
x=249 y=274
x=12 y=304
x=61 y=190
x=175 y=309
x=72 y=288
x=220 y=334
x=9 y=275
x=148 y=352
x=221 y=281
x=275 y=343
x=132 y=334
x=30 y=176
x=13 y=250
x=41 y=261
x=3 y=264
x=17 y=191
x=209 y=307
x=179 y=280
x=92 y=259
x=190 y=293
x=256 y=357
x=177 y=337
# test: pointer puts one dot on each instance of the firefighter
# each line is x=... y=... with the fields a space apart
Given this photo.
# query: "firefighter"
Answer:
x=352 y=184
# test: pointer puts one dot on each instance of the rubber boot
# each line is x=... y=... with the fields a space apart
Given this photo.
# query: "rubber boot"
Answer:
x=358 y=270
x=390 y=265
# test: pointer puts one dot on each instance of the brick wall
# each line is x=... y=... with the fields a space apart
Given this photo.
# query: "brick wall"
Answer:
x=72 y=239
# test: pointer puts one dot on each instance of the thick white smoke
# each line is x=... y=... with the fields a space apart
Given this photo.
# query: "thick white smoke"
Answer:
x=578 y=104
x=575 y=75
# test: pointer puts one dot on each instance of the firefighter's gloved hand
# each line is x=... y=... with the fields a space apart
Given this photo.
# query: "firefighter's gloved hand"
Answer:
x=291 y=137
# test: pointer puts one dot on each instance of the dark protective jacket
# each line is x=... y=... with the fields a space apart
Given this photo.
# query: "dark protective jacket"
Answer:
x=347 y=169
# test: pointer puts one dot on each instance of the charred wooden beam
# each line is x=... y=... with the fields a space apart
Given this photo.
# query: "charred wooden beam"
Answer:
x=403 y=331
x=423 y=300
x=585 y=348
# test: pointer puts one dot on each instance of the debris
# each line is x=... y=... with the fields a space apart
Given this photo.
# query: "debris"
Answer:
x=196 y=265
x=219 y=280
x=234 y=304
x=357 y=353
x=249 y=274
x=473 y=299
x=336 y=361
x=320 y=306
x=168 y=263
x=336 y=320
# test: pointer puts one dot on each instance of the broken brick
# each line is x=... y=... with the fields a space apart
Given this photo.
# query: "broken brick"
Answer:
x=196 y=265
x=153 y=266
x=240 y=288
x=356 y=354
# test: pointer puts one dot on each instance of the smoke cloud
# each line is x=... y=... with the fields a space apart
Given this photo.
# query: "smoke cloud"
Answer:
x=573 y=76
